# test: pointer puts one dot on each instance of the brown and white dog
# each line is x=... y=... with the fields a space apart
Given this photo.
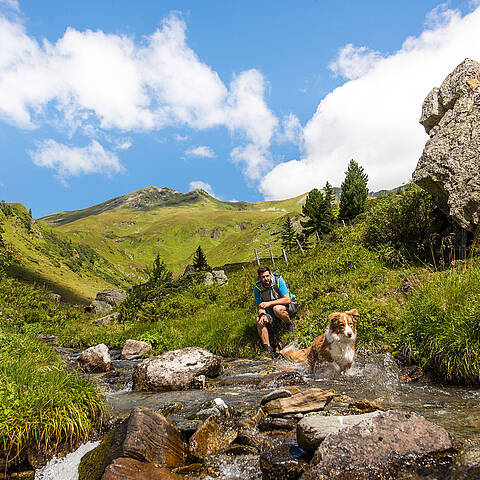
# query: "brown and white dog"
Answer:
x=336 y=346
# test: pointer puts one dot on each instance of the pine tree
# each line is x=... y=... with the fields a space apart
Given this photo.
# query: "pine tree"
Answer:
x=354 y=192
x=200 y=260
x=159 y=273
x=288 y=236
x=318 y=209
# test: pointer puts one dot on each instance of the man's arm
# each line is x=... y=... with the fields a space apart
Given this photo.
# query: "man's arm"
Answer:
x=284 y=300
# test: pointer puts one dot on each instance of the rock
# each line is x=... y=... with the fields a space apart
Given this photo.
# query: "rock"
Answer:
x=412 y=373
x=376 y=447
x=99 y=308
x=105 y=320
x=212 y=437
x=241 y=450
x=131 y=469
x=251 y=439
x=148 y=437
x=449 y=167
x=365 y=406
x=50 y=340
x=55 y=297
x=208 y=279
x=309 y=401
x=269 y=424
x=175 y=370
x=96 y=359
x=312 y=429
x=219 y=277
x=285 y=462
x=134 y=349
x=112 y=296
x=280 y=393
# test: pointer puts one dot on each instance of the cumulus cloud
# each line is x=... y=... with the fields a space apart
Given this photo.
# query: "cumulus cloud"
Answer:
x=292 y=130
x=373 y=117
x=72 y=161
x=198 y=184
x=114 y=82
x=255 y=159
x=13 y=4
x=200 y=151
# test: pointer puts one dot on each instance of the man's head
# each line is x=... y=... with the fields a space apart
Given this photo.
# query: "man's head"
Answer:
x=264 y=275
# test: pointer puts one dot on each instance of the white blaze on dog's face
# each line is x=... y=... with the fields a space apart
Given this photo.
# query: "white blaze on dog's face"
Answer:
x=343 y=326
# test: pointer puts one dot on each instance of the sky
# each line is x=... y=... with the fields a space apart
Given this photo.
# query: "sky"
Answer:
x=249 y=100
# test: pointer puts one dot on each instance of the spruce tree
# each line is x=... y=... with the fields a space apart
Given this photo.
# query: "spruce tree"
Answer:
x=159 y=273
x=200 y=260
x=318 y=209
x=354 y=192
x=288 y=236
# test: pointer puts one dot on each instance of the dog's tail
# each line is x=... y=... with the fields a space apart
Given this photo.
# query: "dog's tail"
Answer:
x=294 y=355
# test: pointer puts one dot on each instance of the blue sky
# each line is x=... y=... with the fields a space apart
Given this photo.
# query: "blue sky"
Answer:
x=248 y=100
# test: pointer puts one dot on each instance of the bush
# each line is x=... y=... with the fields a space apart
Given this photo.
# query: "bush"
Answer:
x=401 y=221
x=441 y=326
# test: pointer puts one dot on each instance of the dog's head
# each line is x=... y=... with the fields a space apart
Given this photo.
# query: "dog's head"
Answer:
x=344 y=324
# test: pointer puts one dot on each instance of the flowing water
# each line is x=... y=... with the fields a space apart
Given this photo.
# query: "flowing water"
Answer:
x=243 y=383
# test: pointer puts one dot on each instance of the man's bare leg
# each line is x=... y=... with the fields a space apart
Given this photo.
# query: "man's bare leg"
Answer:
x=281 y=312
x=262 y=330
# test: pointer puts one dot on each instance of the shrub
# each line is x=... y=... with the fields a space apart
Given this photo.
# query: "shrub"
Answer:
x=440 y=326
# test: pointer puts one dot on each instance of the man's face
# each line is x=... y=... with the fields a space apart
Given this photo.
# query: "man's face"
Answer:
x=265 y=278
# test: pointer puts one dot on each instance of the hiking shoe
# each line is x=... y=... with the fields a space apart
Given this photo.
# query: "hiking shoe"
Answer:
x=267 y=350
x=291 y=327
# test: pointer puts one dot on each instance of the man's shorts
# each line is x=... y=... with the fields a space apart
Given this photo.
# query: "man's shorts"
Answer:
x=292 y=309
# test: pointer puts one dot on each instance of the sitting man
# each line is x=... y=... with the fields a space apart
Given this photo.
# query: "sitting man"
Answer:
x=273 y=301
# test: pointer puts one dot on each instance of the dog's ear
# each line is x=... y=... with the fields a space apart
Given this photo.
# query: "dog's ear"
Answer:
x=353 y=313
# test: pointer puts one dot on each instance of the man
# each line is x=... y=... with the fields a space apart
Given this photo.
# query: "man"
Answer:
x=273 y=301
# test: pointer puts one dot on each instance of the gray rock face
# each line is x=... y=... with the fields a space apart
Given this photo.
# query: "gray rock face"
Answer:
x=450 y=163
x=374 y=448
x=219 y=277
x=134 y=349
x=106 y=320
x=99 y=308
x=312 y=430
x=96 y=359
x=112 y=296
x=175 y=370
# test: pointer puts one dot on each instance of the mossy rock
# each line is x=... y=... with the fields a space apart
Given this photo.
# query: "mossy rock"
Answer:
x=91 y=465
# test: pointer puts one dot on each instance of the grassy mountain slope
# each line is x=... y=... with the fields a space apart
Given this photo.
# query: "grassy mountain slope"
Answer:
x=73 y=269
x=152 y=220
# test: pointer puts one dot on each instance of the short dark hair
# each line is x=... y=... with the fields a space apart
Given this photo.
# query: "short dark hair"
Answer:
x=263 y=270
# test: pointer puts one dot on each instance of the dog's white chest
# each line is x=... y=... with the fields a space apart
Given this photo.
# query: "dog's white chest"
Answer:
x=342 y=354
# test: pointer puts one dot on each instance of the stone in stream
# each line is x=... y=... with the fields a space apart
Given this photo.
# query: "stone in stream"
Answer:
x=285 y=462
x=269 y=424
x=312 y=429
x=252 y=439
x=131 y=469
x=96 y=359
x=376 y=447
x=213 y=436
x=308 y=401
x=134 y=349
x=145 y=436
x=175 y=370
x=279 y=393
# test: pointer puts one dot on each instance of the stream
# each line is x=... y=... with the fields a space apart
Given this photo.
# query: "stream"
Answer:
x=242 y=384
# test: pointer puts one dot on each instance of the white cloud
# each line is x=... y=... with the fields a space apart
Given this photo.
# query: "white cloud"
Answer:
x=374 y=118
x=123 y=144
x=198 y=184
x=72 y=161
x=180 y=138
x=255 y=159
x=92 y=81
x=354 y=62
x=200 y=151
x=13 y=4
x=292 y=130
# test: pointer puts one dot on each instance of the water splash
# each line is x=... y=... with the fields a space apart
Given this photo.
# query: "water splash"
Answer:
x=65 y=468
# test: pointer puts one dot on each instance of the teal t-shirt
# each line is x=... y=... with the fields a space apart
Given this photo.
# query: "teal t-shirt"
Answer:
x=282 y=290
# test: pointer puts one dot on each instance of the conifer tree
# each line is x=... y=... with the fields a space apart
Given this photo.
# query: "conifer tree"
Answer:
x=354 y=192
x=200 y=260
x=318 y=209
x=288 y=236
x=159 y=273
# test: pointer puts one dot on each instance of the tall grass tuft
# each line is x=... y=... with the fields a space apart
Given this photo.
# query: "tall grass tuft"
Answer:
x=440 y=326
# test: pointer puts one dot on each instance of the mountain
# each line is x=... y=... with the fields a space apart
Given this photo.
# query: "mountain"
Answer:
x=131 y=229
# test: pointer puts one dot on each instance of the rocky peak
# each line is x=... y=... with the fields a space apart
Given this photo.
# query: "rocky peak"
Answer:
x=449 y=167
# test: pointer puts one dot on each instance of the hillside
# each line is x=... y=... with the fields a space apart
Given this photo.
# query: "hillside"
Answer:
x=173 y=224
x=74 y=270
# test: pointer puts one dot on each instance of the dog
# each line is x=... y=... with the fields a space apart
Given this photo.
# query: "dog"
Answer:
x=336 y=346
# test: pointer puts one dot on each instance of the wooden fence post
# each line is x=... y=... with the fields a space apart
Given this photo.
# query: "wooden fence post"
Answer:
x=300 y=246
x=256 y=256
x=271 y=256
x=285 y=256
x=318 y=236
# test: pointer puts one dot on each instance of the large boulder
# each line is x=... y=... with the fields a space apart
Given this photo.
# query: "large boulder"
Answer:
x=112 y=296
x=96 y=359
x=376 y=447
x=449 y=167
x=175 y=370
x=125 y=468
